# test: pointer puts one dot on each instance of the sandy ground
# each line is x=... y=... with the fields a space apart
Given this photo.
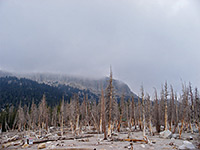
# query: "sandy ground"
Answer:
x=97 y=143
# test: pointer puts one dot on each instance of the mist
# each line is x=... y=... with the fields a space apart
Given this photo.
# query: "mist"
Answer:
x=145 y=42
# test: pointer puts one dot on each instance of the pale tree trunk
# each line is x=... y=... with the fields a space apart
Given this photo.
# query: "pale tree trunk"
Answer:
x=109 y=119
x=171 y=108
x=192 y=108
x=197 y=110
x=185 y=108
x=110 y=98
x=149 y=114
x=140 y=115
x=72 y=127
x=143 y=111
x=121 y=113
x=133 y=112
x=100 y=124
x=176 y=112
x=166 y=117
x=103 y=115
x=156 y=109
x=62 y=116
x=77 y=114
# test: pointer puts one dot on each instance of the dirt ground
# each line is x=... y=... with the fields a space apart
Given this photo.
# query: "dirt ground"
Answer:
x=96 y=142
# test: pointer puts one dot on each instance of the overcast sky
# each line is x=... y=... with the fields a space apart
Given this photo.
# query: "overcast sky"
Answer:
x=145 y=41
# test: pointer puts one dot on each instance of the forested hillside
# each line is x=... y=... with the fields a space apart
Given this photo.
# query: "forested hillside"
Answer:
x=14 y=90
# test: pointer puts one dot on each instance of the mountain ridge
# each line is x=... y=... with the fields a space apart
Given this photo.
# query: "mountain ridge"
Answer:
x=93 y=85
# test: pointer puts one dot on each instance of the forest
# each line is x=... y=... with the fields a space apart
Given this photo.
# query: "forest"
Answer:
x=165 y=111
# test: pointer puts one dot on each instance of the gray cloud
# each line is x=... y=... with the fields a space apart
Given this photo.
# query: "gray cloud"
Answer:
x=145 y=41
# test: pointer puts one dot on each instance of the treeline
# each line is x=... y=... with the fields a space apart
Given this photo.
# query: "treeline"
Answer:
x=165 y=111
x=15 y=90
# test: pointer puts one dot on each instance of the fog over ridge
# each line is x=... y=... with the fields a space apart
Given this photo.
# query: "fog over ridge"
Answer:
x=146 y=42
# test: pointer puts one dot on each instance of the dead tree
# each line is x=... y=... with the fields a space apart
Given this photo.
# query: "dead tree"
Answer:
x=103 y=117
x=109 y=96
x=166 y=116
x=77 y=114
x=72 y=114
x=149 y=114
x=122 y=108
x=43 y=114
x=156 y=110
x=139 y=114
x=21 y=118
x=171 y=109
x=62 y=116
x=94 y=115
x=197 y=109
x=28 y=118
x=54 y=117
x=176 y=115
x=34 y=115
x=84 y=112
x=192 y=112
x=162 y=107
x=143 y=110
x=133 y=120
x=184 y=108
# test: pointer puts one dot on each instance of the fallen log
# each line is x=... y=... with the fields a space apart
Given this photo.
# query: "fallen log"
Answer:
x=130 y=140
x=61 y=138
x=42 y=141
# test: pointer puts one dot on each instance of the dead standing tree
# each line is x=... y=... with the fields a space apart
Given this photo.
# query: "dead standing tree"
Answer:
x=21 y=118
x=184 y=108
x=72 y=114
x=133 y=120
x=191 y=108
x=84 y=112
x=109 y=97
x=149 y=113
x=162 y=108
x=197 y=109
x=122 y=108
x=77 y=114
x=102 y=116
x=43 y=114
x=143 y=110
x=166 y=116
x=139 y=116
x=171 y=110
x=34 y=115
x=156 y=112
x=62 y=115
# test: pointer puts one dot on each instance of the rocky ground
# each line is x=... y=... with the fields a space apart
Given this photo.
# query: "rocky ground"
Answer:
x=92 y=141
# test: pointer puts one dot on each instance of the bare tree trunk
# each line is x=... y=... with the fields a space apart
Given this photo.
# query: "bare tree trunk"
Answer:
x=185 y=108
x=62 y=116
x=133 y=112
x=192 y=108
x=171 y=109
x=176 y=112
x=110 y=98
x=143 y=111
x=139 y=113
x=102 y=112
x=109 y=119
x=121 y=112
x=72 y=127
x=149 y=114
x=166 y=117
x=157 y=117
x=77 y=114
x=103 y=115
